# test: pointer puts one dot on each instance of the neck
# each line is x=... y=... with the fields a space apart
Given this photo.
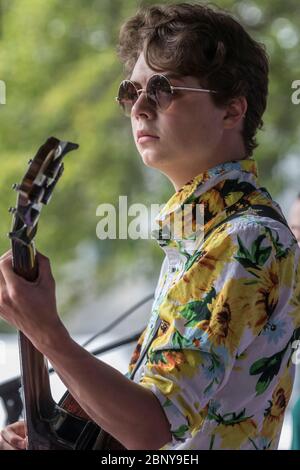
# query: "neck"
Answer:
x=180 y=178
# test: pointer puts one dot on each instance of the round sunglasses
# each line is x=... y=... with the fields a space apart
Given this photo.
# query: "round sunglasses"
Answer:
x=159 y=93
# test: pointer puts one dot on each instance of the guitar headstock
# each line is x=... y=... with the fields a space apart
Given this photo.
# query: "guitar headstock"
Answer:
x=36 y=188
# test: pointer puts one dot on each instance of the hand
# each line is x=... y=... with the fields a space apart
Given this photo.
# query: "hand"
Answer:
x=29 y=306
x=13 y=437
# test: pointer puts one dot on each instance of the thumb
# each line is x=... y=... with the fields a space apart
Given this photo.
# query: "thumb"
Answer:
x=7 y=274
x=44 y=266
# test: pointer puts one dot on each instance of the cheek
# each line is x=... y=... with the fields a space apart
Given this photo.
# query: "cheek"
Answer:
x=189 y=129
x=133 y=130
x=195 y=118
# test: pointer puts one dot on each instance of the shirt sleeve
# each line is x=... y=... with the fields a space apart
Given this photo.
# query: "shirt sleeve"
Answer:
x=209 y=317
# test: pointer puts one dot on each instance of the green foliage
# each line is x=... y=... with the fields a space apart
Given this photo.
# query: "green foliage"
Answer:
x=61 y=70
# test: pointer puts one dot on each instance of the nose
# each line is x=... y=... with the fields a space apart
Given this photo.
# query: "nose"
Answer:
x=142 y=106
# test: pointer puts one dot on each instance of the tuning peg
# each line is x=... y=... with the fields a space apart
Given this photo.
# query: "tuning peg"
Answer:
x=49 y=190
x=30 y=161
x=12 y=210
x=15 y=186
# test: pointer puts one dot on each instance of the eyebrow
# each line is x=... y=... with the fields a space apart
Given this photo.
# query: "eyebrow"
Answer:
x=168 y=75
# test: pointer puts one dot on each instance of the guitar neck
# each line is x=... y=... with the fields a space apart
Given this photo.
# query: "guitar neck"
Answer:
x=37 y=398
x=49 y=425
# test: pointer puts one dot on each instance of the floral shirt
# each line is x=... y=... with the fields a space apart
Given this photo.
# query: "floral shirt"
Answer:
x=221 y=362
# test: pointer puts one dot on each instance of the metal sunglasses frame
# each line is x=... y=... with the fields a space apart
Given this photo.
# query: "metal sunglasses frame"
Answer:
x=172 y=88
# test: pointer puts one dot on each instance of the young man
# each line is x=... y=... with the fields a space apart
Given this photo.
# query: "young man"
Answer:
x=218 y=372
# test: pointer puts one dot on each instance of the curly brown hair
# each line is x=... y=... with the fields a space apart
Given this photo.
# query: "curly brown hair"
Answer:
x=205 y=42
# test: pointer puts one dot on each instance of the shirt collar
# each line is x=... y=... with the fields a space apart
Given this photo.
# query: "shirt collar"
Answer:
x=213 y=190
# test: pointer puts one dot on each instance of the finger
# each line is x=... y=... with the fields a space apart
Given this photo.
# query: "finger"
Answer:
x=20 y=428
x=4 y=445
x=44 y=265
x=8 y=273
x=13 y=439
x=2 y=281
x=41 y=255
x=3 y=286
x=6 y=256
x=42 y=259
x=7 y=253
x=12 y=445
x=6 y=268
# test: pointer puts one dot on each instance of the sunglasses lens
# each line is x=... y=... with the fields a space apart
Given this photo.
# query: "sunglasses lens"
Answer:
x=127 y=96
x=159 y=91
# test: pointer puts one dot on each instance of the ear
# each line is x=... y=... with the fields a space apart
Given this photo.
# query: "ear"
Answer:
x=235 y=111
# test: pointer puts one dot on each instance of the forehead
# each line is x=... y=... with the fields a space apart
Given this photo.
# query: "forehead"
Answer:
x=142 y=72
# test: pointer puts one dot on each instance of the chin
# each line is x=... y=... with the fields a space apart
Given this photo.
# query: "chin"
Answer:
x=151 y=158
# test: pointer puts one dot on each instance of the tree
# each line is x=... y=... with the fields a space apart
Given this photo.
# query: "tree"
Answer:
x=59 y=63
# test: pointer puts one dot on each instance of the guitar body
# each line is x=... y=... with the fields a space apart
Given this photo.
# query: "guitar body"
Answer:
x=50 y=426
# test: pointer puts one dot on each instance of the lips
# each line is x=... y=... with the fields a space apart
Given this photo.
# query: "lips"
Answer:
x=145 y=134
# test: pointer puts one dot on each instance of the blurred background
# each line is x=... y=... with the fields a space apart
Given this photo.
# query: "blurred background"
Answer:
x=59 y=64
